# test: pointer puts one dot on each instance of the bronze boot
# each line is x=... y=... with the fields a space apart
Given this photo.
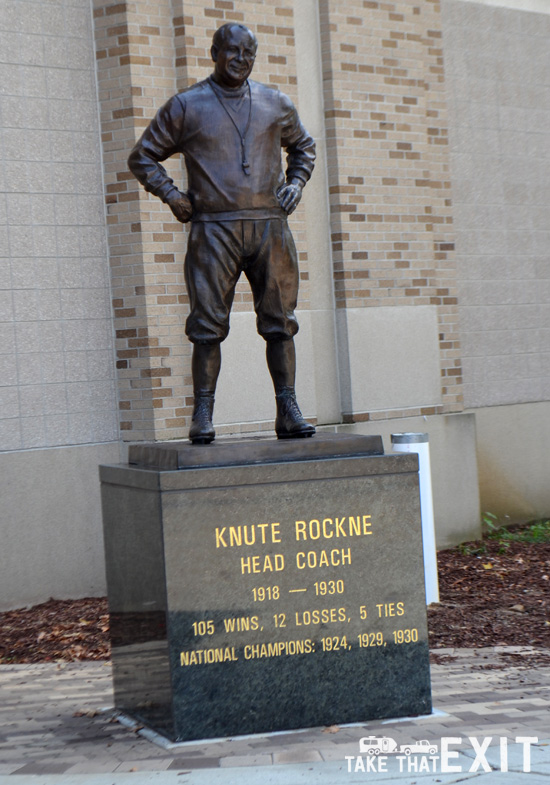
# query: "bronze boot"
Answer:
x=290 y=423
x=202 y=431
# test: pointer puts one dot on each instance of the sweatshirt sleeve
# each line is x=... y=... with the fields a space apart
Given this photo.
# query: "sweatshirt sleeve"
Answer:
x=299 y=145
x=158 y=142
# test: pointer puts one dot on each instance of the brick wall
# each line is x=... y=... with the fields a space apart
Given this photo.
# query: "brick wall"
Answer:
x=389 y=180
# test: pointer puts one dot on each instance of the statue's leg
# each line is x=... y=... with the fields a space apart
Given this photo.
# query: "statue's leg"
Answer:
x=211 y=273
x=273 y=277
x=205 y=365
x=281 y=361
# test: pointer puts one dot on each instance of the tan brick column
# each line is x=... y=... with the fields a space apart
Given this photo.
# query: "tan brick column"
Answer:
x=388 y=168
x=136 y=74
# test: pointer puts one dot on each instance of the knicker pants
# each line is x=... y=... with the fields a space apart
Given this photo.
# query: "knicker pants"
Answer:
x=217 y=253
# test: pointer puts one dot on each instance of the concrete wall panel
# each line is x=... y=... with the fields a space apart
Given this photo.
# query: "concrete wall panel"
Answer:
x=514 y=460
x=52 y=542
x=496 y=68
x=56 y=346
x=393 y=357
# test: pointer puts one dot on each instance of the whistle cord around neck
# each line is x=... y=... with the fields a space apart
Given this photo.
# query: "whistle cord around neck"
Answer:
x=242 y=136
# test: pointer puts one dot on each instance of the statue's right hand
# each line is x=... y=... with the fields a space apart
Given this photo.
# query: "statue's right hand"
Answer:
x=181 y=207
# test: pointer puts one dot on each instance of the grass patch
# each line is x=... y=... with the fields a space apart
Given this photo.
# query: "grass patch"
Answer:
x=534 y=532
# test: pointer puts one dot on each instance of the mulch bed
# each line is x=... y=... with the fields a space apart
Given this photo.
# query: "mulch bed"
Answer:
x=499 y=597
x=56 y=630
x=491 y=598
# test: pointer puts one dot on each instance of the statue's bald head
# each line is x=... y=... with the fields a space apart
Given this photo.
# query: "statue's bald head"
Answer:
x=222 y=33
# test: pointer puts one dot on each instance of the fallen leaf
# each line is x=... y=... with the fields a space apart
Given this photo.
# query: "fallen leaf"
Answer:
x=331 y=729
x=488 y=566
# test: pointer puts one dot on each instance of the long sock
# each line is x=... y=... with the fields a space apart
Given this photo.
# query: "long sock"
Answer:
x=205 y=365
x=281 y=361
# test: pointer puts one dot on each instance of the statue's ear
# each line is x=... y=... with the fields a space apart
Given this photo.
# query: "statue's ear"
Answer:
x=214 y=52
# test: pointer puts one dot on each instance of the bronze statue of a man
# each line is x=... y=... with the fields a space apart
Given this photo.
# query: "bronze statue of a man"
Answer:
x=230 y=131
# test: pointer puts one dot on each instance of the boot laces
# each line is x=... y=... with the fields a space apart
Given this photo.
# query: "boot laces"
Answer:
x=289 y=405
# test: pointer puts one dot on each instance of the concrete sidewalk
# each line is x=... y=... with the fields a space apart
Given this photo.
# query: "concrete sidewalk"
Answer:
x=57 y=728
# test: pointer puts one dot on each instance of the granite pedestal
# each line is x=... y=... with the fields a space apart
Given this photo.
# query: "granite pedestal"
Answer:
x=258 y=585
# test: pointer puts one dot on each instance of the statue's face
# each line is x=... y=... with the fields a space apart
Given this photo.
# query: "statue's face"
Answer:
x=234 y=59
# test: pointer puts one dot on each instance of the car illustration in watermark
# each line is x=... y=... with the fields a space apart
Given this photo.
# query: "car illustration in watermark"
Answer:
x=423 y=747
x=385 y=745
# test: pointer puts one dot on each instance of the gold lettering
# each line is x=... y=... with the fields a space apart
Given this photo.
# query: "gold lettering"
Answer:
x=316 y=529
x=389 y=609
x=350 y=526
x=241 y=624
x=247 y=535
x=337 y=557
x=208 y=656
x=326 y=535
x=301 y=530
x=354 y=526
x=251 y=652
x=340 y=527
x=263 y=527
x=252 y=564
x=278 y=649
x=320 y=616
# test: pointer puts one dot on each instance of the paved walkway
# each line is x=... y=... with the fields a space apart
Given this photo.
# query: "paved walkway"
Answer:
x=57 y=728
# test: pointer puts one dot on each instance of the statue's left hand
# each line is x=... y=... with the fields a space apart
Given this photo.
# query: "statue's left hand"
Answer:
x=181 y=207
x=289 y=196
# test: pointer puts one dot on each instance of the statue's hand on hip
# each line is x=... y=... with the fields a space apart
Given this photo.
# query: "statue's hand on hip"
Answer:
x=289 y=196
x=181 y=207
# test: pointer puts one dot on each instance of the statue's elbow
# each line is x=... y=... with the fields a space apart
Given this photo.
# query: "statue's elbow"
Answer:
x=133 y=162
